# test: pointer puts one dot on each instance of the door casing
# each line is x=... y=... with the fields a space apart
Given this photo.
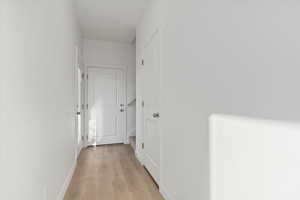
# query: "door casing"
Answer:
x=86 y=113
x=156 y=33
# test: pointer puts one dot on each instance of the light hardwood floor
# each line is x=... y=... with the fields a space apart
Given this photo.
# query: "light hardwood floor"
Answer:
x=111 y=172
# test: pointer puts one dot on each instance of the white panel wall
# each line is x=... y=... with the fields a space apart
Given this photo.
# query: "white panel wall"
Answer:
x=115 y=54
x=232 y=57
x=38 y=139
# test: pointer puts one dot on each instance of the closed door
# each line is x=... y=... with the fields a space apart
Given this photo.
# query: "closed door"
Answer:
x=79 y=108
x=151 y=96
x=106 y=101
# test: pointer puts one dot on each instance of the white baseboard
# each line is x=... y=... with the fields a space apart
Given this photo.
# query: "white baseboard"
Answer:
x=67 y=181
x=139 y=157
x=126 y=141
x=130 y=133
x=80 y=147
x=166 y=195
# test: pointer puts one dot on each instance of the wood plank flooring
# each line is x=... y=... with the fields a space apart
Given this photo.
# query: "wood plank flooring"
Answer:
x=111 y=172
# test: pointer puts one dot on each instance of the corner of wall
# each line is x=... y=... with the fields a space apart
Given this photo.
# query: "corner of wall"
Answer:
x=165 y=193
x=67 y=182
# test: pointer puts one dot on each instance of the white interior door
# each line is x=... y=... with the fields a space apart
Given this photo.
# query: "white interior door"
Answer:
x=82 y=108
x=151 y=96
x=79 y=111
x=106 y=100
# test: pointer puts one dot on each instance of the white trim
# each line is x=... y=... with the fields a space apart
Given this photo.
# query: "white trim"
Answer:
x=108 y=141
x=124 y=67
x=140 y=157
x=67 y=181
x=79 y=149
x=86 y=86
x=151 y=36
x=166 y=195
x=156 y=32
x=131 y=132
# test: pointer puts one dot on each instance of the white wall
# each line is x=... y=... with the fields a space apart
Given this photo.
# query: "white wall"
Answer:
x=232 y=57
x=38 y=138
x=115 y=54
x=254 y=159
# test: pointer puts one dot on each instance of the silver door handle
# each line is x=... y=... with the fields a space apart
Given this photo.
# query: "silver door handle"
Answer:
x=156 y=115
x=121 y=110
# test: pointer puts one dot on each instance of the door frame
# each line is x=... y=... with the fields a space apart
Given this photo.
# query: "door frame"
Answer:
x=141 y=158
x=123 y=68
x=79 y=103
x=77 y=106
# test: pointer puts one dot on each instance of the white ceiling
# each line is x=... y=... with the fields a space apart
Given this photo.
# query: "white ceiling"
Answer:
x=113 y=20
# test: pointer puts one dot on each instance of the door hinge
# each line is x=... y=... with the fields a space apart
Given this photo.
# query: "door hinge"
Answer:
x=87 y=106
x=143 y=145
x=87 y=76
x=82 y=76
x=143 y=104
x=143 y=62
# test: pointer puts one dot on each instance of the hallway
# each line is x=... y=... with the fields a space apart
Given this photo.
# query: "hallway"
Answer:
x=111 y=172
x=205 y=93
